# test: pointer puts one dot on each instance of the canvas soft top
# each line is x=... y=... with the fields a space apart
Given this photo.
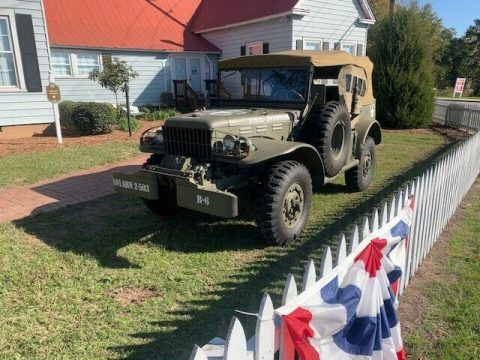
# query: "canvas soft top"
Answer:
x=307 y=58
x=298 y=58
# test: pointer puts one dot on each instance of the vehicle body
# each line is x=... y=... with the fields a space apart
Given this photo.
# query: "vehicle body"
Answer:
x=281 y=123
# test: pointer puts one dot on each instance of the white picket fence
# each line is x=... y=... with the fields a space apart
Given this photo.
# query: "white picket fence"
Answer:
x=437 y=195
x=464 y=115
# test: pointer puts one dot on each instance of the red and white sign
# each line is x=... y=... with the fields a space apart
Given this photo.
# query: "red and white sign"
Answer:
x=459 y=86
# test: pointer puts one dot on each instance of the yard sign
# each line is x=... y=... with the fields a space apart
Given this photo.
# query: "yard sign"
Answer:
x=459 y=86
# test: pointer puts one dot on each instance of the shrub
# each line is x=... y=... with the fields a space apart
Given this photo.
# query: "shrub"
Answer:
x=93 y=118
x=166 y=100
x=161 y=115
x=122 y=123
x=66 y=109
x=403 y=76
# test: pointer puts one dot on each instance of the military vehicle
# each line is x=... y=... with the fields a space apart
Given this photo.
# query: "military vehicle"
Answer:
x=282 y=124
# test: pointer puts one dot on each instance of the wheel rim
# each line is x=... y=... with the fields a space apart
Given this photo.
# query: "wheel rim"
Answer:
x=338 y=137
x=367 y=163
x=293 y=205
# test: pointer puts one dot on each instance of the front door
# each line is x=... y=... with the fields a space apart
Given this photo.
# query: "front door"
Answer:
x=190 y=69
x=195 y=75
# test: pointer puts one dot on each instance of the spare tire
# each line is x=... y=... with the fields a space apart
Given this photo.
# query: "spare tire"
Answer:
x=332 y=131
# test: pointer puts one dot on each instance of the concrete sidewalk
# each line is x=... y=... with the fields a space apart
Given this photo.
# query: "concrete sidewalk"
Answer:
x=19 y=202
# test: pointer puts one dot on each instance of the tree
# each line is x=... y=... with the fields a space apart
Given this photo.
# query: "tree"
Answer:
x=471 y=60
x=402 y=52
x=115 y=76
x=380 y=8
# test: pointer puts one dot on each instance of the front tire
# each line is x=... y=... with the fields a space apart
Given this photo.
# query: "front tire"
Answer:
x=360 y=177
x=285 y=202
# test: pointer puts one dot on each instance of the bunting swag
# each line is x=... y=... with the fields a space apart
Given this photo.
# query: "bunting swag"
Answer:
x=354 y=315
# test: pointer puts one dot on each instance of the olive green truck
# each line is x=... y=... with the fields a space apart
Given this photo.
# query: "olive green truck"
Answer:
x=282 y=125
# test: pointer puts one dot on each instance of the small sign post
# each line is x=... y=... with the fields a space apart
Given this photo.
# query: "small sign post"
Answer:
x=54 y=96
x=459 y=86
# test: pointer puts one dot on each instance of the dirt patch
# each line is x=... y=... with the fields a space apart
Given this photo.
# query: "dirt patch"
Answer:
x=433 y=270
x=44 y=143
x=133 y=295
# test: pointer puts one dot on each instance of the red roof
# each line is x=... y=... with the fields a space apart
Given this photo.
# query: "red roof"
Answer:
x=220 y=13
x=125 y=24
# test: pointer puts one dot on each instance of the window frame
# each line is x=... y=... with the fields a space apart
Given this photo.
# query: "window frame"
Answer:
x=250 y=45
x=69 y=55
x=9 y=15
x=354 y=43
x=312 y=39
x=73 y=59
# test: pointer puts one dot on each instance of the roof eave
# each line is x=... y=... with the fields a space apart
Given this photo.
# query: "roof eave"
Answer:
x=294 y=11
x=106 y=48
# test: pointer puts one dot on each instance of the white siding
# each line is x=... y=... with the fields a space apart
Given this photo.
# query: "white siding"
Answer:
x=277 y=32
x=18 y=108
x=145 y=89
x=333 y=21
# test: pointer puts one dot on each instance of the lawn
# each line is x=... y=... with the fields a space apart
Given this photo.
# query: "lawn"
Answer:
x=28 y=168
x=447 y=326
x=106 y=279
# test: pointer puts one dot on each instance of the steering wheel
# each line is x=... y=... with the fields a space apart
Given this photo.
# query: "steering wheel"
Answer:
x=288 y=94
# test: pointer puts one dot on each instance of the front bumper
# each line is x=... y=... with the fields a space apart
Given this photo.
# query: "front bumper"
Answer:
x=206 y=199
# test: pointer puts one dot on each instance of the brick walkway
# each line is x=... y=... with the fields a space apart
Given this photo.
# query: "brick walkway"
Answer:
x=19 y=202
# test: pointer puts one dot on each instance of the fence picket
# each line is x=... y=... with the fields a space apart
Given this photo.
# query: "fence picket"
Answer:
x=384 y=214
x=353 y=239
x=290 y=290
x=365 y=228
x=399 y=208
x=309 y=275
x=265 y=332
x=327 y=261
x=391 y=211
x=236 y=342
x=198 y=354
x=341 y=250
x=375 y=220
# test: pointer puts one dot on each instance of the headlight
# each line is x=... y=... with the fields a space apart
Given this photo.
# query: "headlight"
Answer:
x=229 y=142
x=159 y=137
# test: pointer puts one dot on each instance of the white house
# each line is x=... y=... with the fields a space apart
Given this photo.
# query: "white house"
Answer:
x=164 y=40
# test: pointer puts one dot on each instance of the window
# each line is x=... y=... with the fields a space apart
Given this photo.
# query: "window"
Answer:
x=8 y=72
x=255 y=48
x=61 y=64
x=68 y=64
x=349 y=47
x=312 y=44
x=87 y=63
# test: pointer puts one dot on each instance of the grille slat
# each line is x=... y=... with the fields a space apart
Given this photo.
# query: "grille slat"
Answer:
x=188 y=142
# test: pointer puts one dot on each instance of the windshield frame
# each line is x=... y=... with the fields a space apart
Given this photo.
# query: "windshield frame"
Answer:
x=267 y=102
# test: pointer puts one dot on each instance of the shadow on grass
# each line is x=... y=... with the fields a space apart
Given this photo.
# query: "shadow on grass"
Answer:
x=102 y=227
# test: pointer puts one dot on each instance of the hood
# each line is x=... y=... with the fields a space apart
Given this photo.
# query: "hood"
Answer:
x=217 y=119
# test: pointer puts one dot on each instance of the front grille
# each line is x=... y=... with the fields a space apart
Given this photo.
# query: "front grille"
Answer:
x=194 y=143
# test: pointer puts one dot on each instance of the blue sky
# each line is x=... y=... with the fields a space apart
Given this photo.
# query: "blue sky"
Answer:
x=457 y=14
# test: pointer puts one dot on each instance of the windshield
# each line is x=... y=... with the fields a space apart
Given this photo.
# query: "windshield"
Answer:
x=264 y=84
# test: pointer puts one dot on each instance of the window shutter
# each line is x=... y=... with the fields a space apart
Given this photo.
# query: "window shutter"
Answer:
x=326 y=45
x=300 y=44
x=28 y=51
x=337 y=46
x=243 y=50
x=360 y=49
x=266 y=48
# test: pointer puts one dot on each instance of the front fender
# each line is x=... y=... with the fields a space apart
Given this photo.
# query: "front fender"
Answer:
x=368 y=128
x=269 y=150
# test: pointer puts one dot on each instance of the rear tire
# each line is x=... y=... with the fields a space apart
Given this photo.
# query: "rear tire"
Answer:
x=332 y=135
x=284 y=202
x=360 y=177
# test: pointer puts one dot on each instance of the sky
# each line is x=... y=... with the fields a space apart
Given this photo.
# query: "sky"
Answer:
x=457 y=14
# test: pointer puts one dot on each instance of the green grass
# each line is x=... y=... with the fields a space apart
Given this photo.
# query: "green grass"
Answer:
x=61 y=270
x=28 y=168
x=450 y=325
